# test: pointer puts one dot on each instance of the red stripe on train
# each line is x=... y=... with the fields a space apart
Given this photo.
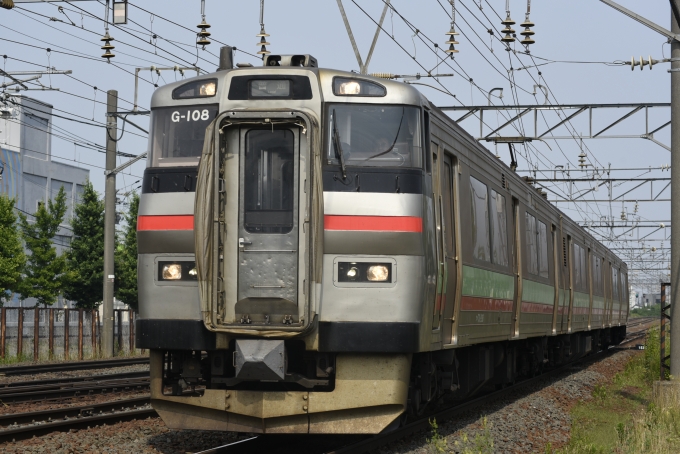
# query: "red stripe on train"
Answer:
x=374 y=223
x=536 y=308
x=473 y=303
x=181 y=222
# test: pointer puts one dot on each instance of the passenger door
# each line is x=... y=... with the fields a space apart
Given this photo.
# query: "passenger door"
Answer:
x=268 y=226
x=449 y=210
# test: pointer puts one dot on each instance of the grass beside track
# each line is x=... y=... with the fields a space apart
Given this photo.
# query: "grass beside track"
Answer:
x=621 y=417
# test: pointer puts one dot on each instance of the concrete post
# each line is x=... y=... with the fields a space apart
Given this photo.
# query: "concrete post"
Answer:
x=109 y=222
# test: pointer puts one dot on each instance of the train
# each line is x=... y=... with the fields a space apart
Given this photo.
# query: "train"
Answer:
x=327 y=252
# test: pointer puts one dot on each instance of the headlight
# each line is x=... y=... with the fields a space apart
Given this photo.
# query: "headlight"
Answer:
x=172 y=272
x=364 y=272
x=350 y=88
x=377 y=273
x=177 y=270
x=343 y=86
x=208 y=89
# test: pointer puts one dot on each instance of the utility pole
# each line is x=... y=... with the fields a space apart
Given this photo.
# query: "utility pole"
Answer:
x=109 y=221
x=673 y=36
x=675 y=198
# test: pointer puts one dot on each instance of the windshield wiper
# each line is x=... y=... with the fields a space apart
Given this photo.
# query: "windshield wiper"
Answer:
x=403 y=109
x=336 y=141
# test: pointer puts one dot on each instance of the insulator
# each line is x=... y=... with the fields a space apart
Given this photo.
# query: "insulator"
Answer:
x=527 y=23
x=452 y=41
x=203 y=42
x=508 y=22
x=527 y=41
x=6 y=4
x=204 y=33
x=106 y=37
x=451 y=50
x=262 y=32
x=452 y=32
x=108 y=55
x=203 y=24
x=508 y=38
x=527 y=32
x=383 y=75
x=263 y=51
x=107 y=47
x=263 y=42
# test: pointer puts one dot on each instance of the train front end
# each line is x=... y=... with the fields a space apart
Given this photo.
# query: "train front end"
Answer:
x=265 y=306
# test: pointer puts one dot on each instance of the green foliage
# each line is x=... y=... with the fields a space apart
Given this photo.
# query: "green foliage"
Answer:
x=436 y=443
x=126 y=258
x=85 y=260
x=651 y=311
x=600 y=392
x=653 y=354
x=44 y=268
x=12 y=257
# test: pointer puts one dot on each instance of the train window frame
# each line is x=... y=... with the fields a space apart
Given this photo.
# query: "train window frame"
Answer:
x=500 y=225
x=155 y=151
x=474 y=224
x=360 y=81
x=329 y=146
x=195 y=85
x=541 y=258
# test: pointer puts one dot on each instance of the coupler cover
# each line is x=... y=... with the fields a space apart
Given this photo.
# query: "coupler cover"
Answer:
x=260 y=359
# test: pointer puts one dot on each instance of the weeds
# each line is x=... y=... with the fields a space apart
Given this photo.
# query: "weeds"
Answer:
x=436 y=443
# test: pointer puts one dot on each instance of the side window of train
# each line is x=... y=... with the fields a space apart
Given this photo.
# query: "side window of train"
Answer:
x=426 y=141
x=499 y=229
x=537 y=247
x=615 y=284
x=580 y=268
x=596 y=269
x=479 y=216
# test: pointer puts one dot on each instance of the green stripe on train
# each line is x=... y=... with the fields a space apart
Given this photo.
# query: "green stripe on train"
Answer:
x=487 y=284
x=535 y=292
x=581 y=299
x=598 y=302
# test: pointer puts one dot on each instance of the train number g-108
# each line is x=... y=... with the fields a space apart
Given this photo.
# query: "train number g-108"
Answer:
x=191 y=115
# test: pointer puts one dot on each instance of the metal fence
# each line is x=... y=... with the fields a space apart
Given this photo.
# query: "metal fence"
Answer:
x=60 y=333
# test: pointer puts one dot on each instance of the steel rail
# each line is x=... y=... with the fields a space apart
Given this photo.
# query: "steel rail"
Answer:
x=59 y=383
x=75 y=365
x=76 y=390
x=79 y=423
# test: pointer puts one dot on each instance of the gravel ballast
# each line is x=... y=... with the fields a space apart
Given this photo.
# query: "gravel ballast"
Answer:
x=525 y=421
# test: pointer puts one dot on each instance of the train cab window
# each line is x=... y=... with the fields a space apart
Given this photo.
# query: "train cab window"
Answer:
x=499 y=229
x=371 y=135
x=178 y=133
x=480 y=220
x=269 y=181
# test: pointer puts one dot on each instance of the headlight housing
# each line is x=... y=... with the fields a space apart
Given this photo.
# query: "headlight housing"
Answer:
x=177 y=271
x=364 y=272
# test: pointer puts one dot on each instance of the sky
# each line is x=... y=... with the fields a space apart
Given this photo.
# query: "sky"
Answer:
x=578 y=45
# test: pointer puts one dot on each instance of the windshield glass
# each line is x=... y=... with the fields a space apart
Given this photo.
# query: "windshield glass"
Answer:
x=177 y=134
x=374 y=135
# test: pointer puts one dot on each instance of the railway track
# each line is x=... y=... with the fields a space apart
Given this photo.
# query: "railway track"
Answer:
x=76 y=365
x=27 y=392
x=20 y=426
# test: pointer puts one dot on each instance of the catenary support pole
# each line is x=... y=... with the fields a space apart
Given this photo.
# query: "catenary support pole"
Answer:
x=675 y=202
x=109 y=222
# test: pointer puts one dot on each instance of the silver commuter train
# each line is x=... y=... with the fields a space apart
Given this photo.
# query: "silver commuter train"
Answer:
x=327 y=252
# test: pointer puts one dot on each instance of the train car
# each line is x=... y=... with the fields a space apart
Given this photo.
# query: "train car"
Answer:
x=326 y=252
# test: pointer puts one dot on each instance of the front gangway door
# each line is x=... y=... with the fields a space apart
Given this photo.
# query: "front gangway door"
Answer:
x=268 y=229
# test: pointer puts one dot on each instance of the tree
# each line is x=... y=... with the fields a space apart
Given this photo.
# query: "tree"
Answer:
x=84 y=282
x=126 y=258
x=43 y=278
x=12 y=257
